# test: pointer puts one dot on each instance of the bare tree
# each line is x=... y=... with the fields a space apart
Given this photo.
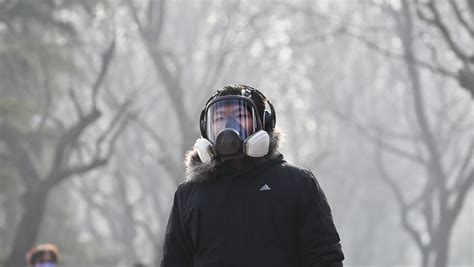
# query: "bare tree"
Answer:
x=167 y=65
x=439 y=203
x=131 y=205
x=430 y=13
x=428 y=215
x=185 y=82
x=37 y=184
x=446 y=177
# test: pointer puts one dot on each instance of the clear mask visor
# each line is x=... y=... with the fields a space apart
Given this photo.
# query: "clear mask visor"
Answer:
x=235 y=114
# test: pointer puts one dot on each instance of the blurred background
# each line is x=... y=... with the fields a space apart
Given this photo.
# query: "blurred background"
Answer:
x=100 y=99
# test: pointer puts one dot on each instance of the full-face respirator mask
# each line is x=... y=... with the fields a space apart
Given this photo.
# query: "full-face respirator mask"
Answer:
x=231 y=126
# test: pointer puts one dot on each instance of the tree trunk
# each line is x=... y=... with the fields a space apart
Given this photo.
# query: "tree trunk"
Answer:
x=34 y=203
x=438 y=251
x=425 y=258
x=441 y=245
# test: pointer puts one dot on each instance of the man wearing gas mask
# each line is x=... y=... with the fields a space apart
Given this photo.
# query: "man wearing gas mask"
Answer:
x=242 y=204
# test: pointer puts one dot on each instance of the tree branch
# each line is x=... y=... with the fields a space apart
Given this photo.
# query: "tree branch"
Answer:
x=364 y=130
x=375 y=47
x=428 y=212
x=435 y=167
x=169 y=165
x=48 y=99
x=106 y=59
x=67 y=139
x=115 y=136
x=75 y=101
x=436 y=21
x=170 y=78
x=397 y=192
x=87 y=194
x=460 y=18
x=134 y=13
x=319 y=37
x=72 y=134
x=466 y=77
x=19 y=155
x=113 y=123
x=453 y=212
x=79 y=169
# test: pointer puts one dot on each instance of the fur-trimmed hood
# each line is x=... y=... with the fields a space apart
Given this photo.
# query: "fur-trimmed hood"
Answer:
x=199 y=172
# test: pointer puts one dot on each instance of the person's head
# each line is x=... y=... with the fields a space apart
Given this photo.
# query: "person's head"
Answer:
x=236 y=121
x=44 y=255
x=231 y=113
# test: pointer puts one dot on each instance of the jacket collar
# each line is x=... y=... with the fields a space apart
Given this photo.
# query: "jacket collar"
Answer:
x=199 y=172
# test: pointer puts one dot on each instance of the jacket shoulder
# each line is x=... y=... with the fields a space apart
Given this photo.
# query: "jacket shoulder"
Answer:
x=183 y=187
x=293 y=173
x=292 y=179
x=184 y=192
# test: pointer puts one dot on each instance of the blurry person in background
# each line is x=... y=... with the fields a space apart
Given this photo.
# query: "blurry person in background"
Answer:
x=242 y=204
x=43 y=255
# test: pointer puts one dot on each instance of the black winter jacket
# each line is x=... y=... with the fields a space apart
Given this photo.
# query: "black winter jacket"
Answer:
x=270 y=213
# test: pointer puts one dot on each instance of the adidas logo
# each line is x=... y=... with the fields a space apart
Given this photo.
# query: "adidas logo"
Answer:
x=265 y=188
